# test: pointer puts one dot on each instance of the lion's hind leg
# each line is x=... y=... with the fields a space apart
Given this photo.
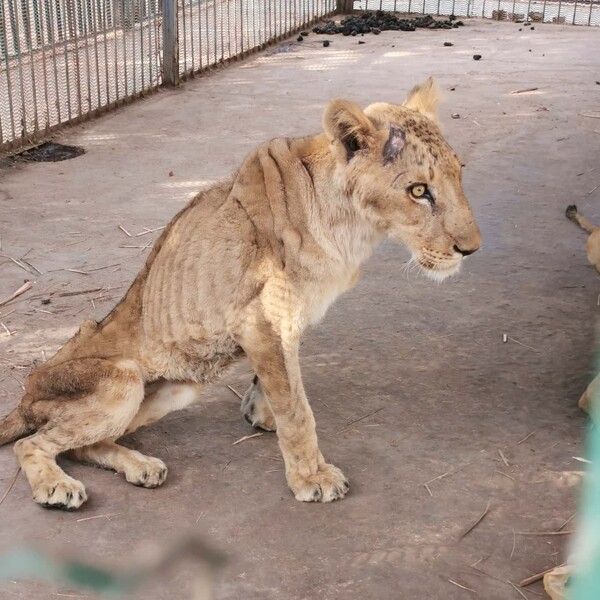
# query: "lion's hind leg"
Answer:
x=255 y=407
x=161 y=398
x=139 y=469
x=82 y=402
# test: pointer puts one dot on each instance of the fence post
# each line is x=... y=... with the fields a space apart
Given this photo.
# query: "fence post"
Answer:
x=344 y=7
x=170 y=54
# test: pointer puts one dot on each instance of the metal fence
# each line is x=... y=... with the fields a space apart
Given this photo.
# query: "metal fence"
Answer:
x=210 y=32
x=62 y=61
x=569 y=12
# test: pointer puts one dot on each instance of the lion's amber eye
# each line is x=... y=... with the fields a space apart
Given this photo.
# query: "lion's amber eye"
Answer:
x=419 y=190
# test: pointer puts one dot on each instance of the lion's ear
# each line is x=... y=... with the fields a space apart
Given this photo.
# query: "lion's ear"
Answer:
x=424 y=98
x=344 y=121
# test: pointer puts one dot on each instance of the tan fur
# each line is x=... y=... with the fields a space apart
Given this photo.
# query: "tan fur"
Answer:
x=592 y=246
x=591 y=392
x=244 y=269
x=593 y=255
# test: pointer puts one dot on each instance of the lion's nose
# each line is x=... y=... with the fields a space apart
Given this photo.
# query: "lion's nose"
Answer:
x=465 y=251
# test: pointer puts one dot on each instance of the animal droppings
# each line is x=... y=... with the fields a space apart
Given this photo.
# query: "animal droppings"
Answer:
x=378 y=21
x=476 y=56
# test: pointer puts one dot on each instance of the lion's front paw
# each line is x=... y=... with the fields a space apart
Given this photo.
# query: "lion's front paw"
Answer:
x=327 y=485
x=65 y=493
x=255 y=408
x=146 y=471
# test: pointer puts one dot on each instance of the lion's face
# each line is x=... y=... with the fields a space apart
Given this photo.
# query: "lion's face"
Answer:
x=404 y=177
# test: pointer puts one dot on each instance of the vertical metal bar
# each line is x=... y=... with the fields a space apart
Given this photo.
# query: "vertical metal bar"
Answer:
x=43 y=45
x=170 y=45
x=235 y=29
x=72 y=18
x=8 y=81
x=207 y=35
x=20 y=67
x=229 y=27
x=528 y=9
x=54 y=64
x=192 y=34
x=105 y=39
x=136 y=17
x=265 y=32
x=143 y=22
x=124 y=28
x=590 y=15
x=575 y=13
x=27 y=24
x=149 y=24
x=26 y=31
x=66 y=57
x=222 y=22
x=181 y=9
x=559 y=7
x=95 y=34
x=87 y=61
x=115 y=46
x=215 y=30
x=242 y=25
x=200 y=47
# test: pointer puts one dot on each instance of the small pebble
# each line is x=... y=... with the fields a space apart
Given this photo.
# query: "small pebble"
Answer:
x=375 y=31
x=325 y=43
x=452 y=89
x=361 y=42
x=520 y=29
x=448 y=44
x=46 y=301
x=476 y=56
x=532 y=28
x=299 y=38
x=456 y=116
x=304 y=33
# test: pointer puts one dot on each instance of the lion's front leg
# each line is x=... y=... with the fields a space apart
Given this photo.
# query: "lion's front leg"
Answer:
x=277 y=366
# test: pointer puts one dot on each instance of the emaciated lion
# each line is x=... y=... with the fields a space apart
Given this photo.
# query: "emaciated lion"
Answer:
x=243 y=270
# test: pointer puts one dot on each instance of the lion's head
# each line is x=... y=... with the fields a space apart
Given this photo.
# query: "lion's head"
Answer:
x=403 y=176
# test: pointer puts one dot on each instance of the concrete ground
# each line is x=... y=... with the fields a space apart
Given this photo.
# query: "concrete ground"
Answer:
x=444 y=400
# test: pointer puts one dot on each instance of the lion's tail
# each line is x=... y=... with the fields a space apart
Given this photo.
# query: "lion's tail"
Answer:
x=571 y=213
x=12 y=427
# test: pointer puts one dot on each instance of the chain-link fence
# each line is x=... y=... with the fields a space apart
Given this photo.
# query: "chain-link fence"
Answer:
x=212 y=32
x=65 y=60
x=569 y=12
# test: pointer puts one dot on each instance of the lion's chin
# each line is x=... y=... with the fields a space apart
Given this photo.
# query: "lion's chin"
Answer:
x=439 y=272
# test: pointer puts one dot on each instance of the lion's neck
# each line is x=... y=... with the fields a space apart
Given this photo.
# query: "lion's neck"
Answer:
x=345 y=235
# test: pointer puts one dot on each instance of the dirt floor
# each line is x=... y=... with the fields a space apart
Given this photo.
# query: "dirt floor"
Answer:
x=444 y=400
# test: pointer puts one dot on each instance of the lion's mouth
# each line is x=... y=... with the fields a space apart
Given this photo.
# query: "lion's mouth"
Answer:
x=438 y=266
